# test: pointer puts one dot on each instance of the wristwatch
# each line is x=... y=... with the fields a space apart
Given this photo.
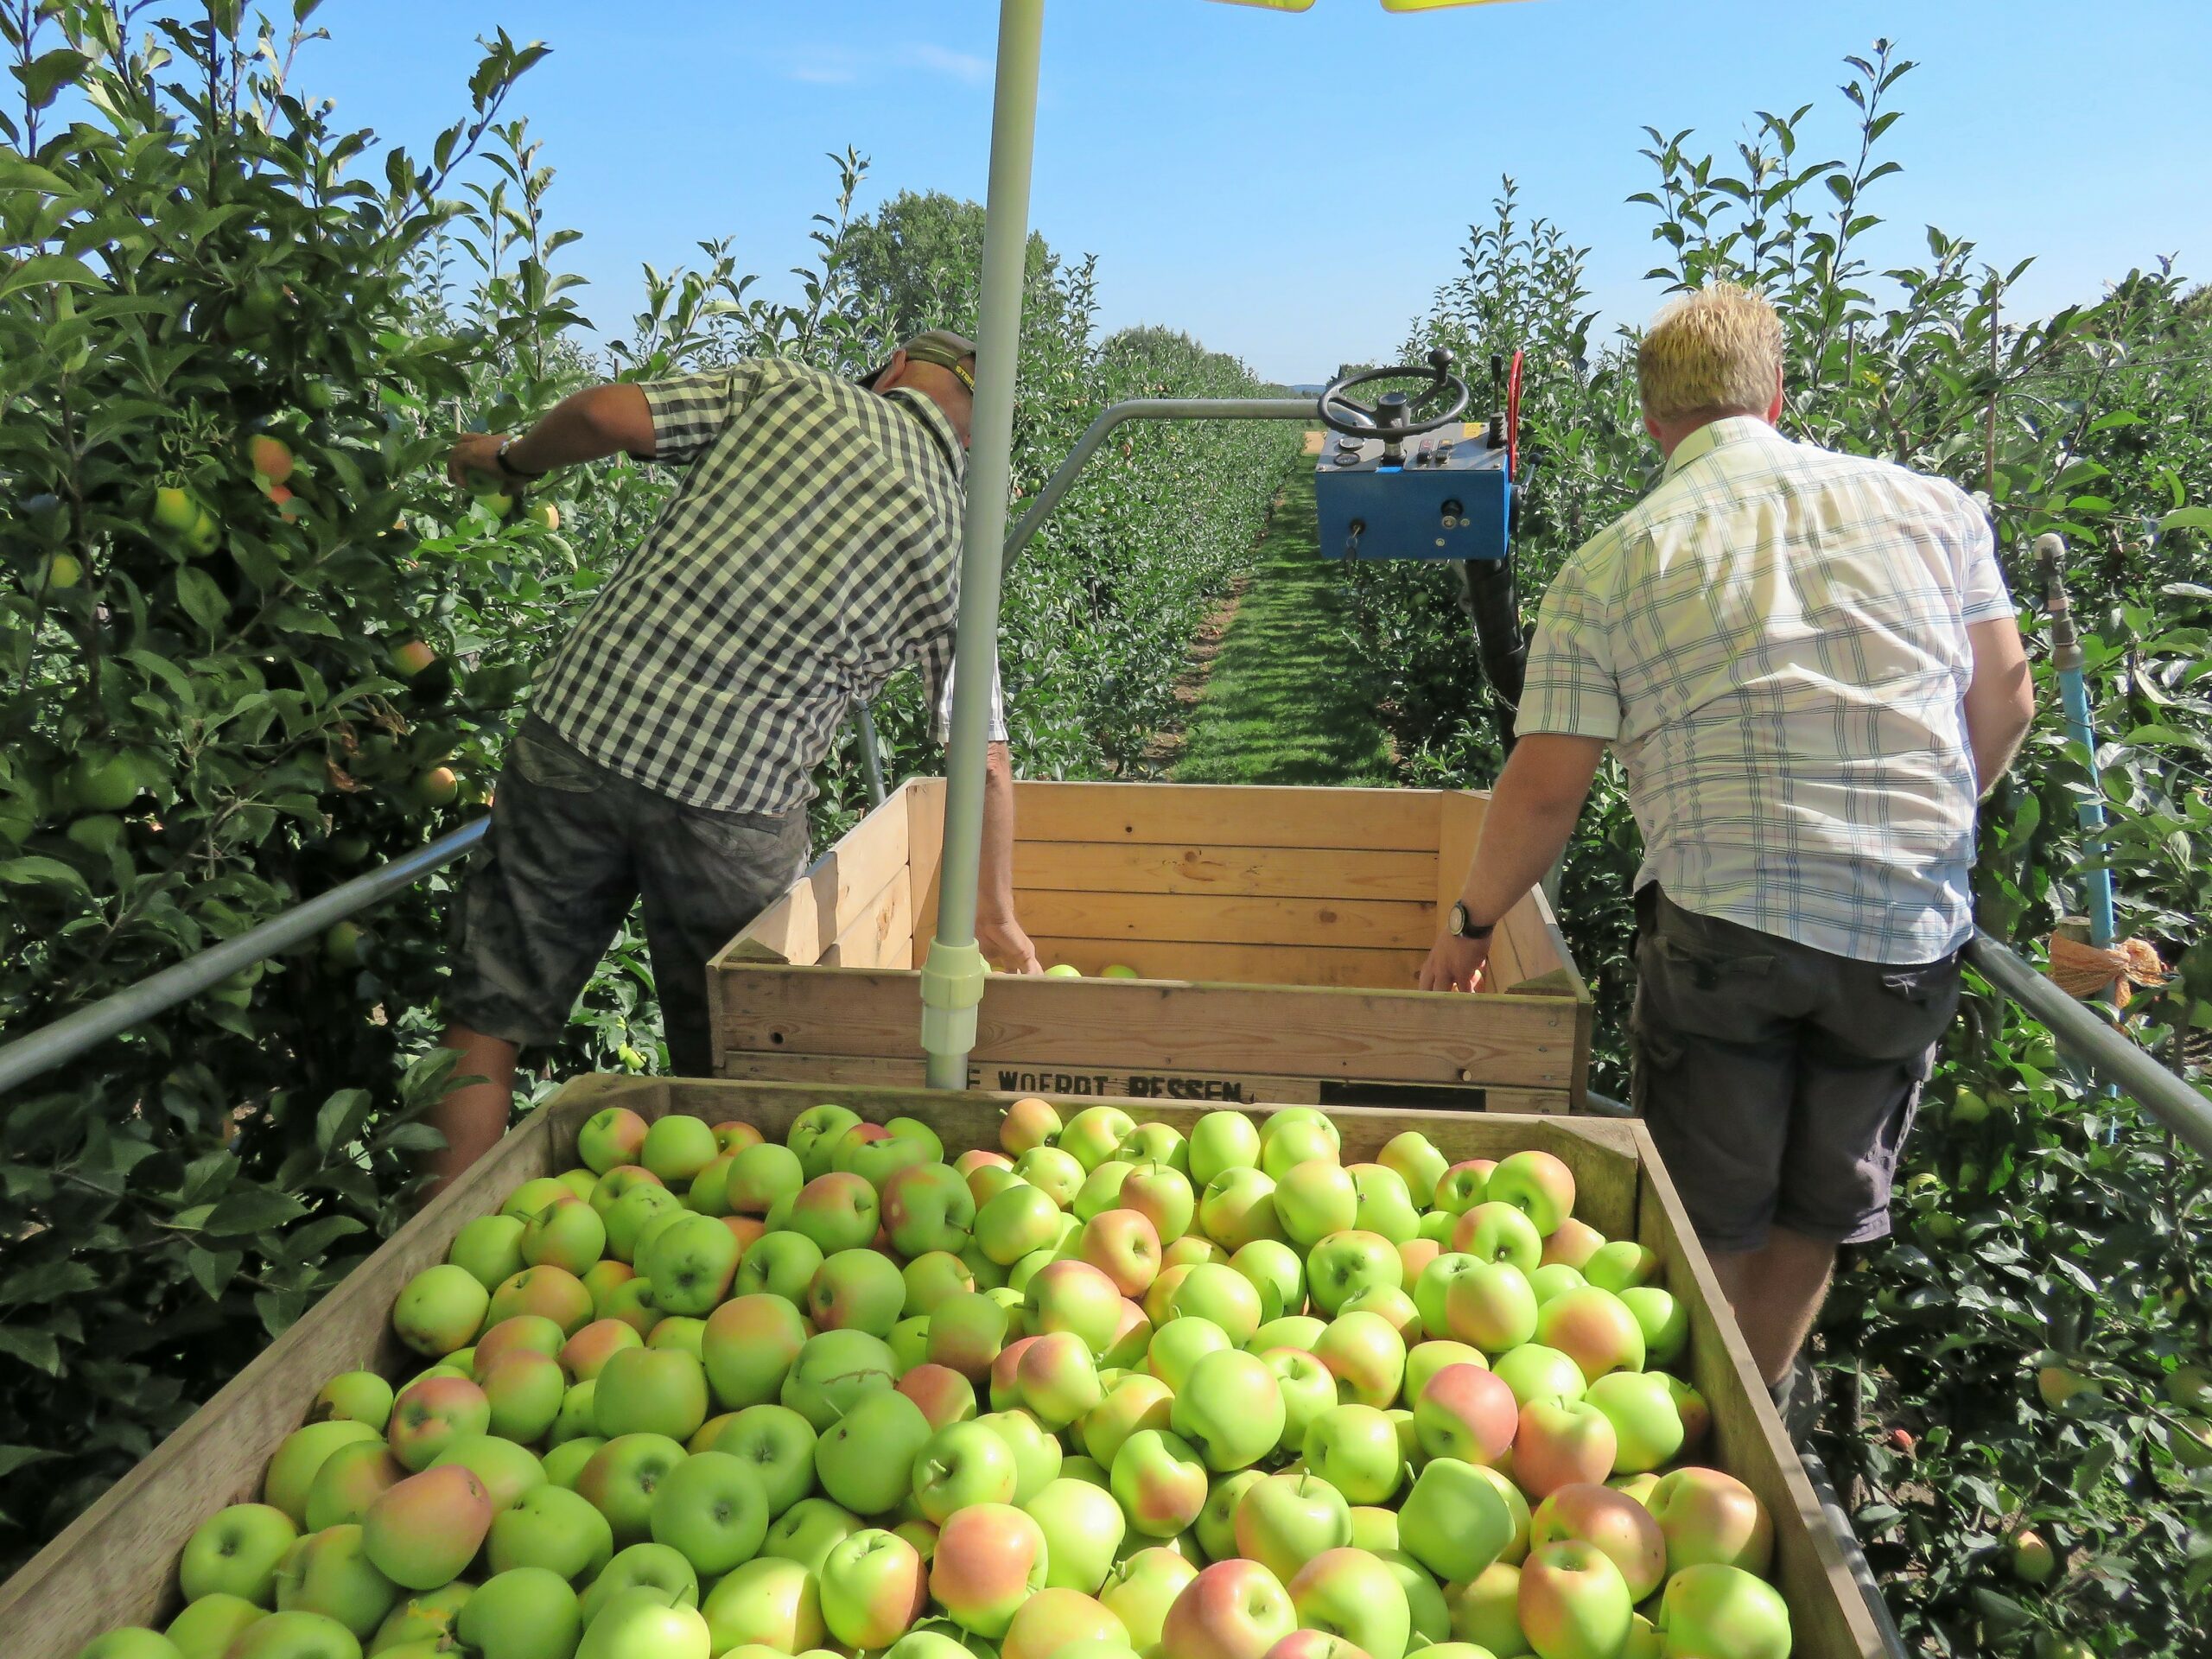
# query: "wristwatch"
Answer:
x=1461 y=925
x=507 y=469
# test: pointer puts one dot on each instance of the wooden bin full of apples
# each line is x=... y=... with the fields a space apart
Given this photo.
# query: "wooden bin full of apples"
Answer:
x=729 y=1370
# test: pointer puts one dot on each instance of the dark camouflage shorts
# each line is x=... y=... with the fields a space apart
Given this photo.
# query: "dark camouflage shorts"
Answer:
x=1778 y=1081
x=572 y=846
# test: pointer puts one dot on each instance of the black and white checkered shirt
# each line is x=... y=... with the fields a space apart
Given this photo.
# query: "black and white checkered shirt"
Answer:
x=813 y=551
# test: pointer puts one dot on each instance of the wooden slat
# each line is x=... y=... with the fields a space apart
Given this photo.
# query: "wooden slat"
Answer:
x=1242 y=872
x=882 y=934
x=1828 y=1618
x=1404 y=1037
x=1018 y=1077
x=841 y=885
x=1459 y=826
x=1238 y=964
x=1359 y=924
x=1374 y=820
x=925 y=854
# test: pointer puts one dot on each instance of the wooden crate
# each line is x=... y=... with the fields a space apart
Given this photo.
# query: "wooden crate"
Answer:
x=115 y=1565
x=1280 y=932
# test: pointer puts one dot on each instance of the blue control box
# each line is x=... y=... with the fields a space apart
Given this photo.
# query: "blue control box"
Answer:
x=1448 y=497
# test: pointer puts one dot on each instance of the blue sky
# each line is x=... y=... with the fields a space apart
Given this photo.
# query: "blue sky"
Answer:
x=1197 y=148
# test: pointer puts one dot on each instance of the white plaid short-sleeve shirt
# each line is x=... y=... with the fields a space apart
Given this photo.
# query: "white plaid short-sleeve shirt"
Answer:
x=1775 y=640
x=811 y=551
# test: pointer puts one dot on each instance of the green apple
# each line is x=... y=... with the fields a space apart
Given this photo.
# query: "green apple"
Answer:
x=1178 y=1344
x=611 y=1135
x=525 y=1613
x=300 y=1457
x=1216 y=1527
x=865 y=1461
x=1537 y=1184
x=640 y=1624
x=207 y=1627
x=1307 y=1388
x=129 y=1642
x=1353 y=1594
x=237 y=1552
x=1016 y=1221
x=1160 y=1482
x=778 y=1444
x=621 y=1478
x=330 y=1573
x=711 y=1509
x=770 y=1600
x=833 y=1372
x=1646 y=1423
x=690 y=1263
x=1315 y=1198
x=1083 y=1528
x=1237 y=1206
x=964 y=1464
x=1355 y=1449
x=1230 y=1408
x=1232 y=1609
x=1284 y=1521
x=1037 y=1453
x=808 y=1530
x=1535 y=1372
x=990 y=1559
x=1453 y=1521
x=553 y=1528
x=295 y=1636
x=1498 y=1232
x=1554 y=1279
x=1664 y=1321
x=1723 y=1611
x=1222 y=1141
x=1365 y=1354
x=1297 y=1331
x=659 y=1391
x=1707 y=1515
x=642 y=1567
x=1386 y=1206
x=1136 y=1401
x=1140 y=1589
x=1415 y=1161
x=1348 y=1262
x=1164 y=1196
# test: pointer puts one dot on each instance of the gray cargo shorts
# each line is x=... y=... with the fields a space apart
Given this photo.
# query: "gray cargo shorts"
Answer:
x=572 y=845
x=1778 y=1081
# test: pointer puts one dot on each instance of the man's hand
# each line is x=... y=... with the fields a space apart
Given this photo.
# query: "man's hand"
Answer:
x=475 y=452
x=1455 y=964
x=1004 y=943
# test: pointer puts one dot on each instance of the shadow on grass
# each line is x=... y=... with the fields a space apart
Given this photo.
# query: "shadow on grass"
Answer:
x=1285 y=702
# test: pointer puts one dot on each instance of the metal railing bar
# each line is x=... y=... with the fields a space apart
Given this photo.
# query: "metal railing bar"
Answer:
x=72 y=1034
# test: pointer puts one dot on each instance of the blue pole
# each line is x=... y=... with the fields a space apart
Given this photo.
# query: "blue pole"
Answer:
x=2067 y=657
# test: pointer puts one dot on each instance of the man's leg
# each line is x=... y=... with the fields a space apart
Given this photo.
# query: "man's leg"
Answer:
x=704 y=876
x=539 y=900
x=472 y=1116
x=1776 y=1292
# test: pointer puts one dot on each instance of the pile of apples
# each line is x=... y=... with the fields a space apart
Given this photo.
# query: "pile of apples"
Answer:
x=1107 y=1392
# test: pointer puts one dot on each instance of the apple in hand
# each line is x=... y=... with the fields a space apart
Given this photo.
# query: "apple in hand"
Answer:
x=1233 y=1609
x=1352 y=1594
x=1284 y=1521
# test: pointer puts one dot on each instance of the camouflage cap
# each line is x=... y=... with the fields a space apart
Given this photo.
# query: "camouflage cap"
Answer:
x=938 y=345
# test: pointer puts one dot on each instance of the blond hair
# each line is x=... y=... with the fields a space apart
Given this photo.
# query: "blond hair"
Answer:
x=1712 y=352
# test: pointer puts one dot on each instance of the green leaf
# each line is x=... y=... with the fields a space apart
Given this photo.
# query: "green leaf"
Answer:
x=252 y=1210
x=44 y=271
x=340 y=1118
x=35 y=1348
x=13 y=1458
x=2187 y=519
x=40 y=871
x=49 y=1281
x=214 y=1271
x=202 y=599
x=46 y=74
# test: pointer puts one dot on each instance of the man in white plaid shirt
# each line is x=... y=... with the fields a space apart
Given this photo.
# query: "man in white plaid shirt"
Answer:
x=812 y=550
x=1810 y=668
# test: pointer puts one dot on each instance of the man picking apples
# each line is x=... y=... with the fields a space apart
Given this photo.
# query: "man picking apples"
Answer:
x=812 y=550
x=1809 y=666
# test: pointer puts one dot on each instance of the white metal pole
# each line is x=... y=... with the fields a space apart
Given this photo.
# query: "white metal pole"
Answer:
x=953 y=974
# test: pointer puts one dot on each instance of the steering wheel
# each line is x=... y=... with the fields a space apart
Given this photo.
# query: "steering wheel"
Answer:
x=1389 y=416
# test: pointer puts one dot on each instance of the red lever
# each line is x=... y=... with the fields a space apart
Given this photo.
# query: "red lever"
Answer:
x=1513 y=419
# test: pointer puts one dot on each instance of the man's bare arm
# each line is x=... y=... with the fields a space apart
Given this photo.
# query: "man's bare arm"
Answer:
x=588 y=425
x=997 y=930
x=2000 y=702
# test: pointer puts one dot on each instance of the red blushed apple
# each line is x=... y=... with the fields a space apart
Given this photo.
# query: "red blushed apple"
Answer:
x=1233 y=1609
x=874 y=1586
x=430 y=1414
x=537 y=1334
x=1053 y=1619
x=1708 y=1517
x=1595 y=1329
x=1573 y=1602
x=584 y=1356
x=1006 y=1375
x=990 y=1558
x=1125 y=1246
x=1613 y=1523
x=1314 y=1645
x=1058 y=1378
x=1538 y=1185
x=553 y=1292
x=1466 y=1411
x=1558 y=1445
x=1573 y=1244
x=968 y=1334
x=1462 y=1186
x=1075 y=1296
x=1132 y=1336
x=1414 y=1256
x=1028 y=1122
x=422 y=1533
x=944 y=1395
